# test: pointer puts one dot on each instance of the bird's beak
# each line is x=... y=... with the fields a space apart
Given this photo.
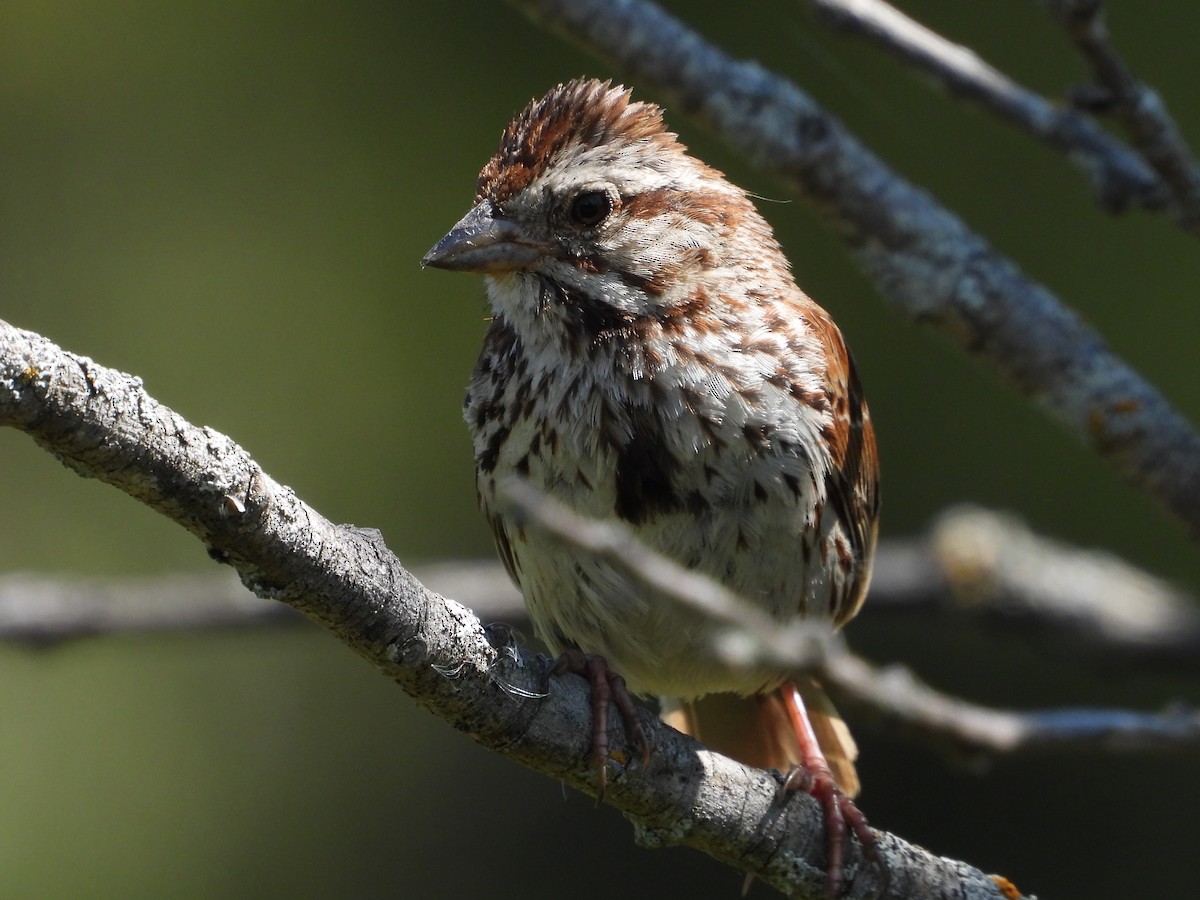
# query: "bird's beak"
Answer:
x=485 y=242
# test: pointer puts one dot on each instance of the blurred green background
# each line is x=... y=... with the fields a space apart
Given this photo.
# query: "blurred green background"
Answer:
x=230 y=200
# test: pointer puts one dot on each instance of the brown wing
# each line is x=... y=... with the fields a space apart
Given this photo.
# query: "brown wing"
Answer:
x=758 y=731
x=504 y=549
x=852 y=485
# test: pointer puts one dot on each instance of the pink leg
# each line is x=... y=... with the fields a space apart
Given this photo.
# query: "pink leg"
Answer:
x=814 y=777
x=608 y=688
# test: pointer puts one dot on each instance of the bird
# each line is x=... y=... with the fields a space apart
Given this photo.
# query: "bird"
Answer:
x=650 y=360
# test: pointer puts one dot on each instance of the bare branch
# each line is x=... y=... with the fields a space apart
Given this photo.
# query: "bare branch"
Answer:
x=102 y=424
x=895 y=695
x=45 y=609
x=921 y=256
x=998 y=570
x=42 y=609
x=49 y=609
x=974 y=564
x=966 y=540
x=1133 y=103
x=1119 y=176
x=754 y=638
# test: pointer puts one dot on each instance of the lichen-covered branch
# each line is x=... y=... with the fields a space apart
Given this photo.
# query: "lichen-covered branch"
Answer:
x=922 y=257
x=104 y=425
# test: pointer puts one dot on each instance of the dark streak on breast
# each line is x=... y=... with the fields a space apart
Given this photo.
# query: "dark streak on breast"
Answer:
x=645 y=469
x=597 y=320
x=592 y=323
x=485 y=461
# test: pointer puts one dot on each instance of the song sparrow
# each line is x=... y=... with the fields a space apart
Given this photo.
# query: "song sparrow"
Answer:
x=650 y=358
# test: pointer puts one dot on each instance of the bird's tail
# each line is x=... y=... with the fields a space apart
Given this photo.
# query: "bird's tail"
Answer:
x=758 y=730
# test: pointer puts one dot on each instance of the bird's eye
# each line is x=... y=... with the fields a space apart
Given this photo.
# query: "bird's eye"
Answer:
x=590 y=208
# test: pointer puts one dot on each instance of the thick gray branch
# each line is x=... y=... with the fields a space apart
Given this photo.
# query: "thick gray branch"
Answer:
x=102 y=424
x=922 y=257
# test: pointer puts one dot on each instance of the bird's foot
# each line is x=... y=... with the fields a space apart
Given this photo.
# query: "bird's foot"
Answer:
x=841 y=815
x=608 y=689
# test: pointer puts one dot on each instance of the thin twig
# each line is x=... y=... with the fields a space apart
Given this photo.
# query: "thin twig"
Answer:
x=46 y=609
x=1000 y=572
x=895 y=695
x=43 y=609
x=1119 y=176
x=893 y=692
x=921 y=256
x=753 y=638
x=974 y=565
x=1133 y=103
